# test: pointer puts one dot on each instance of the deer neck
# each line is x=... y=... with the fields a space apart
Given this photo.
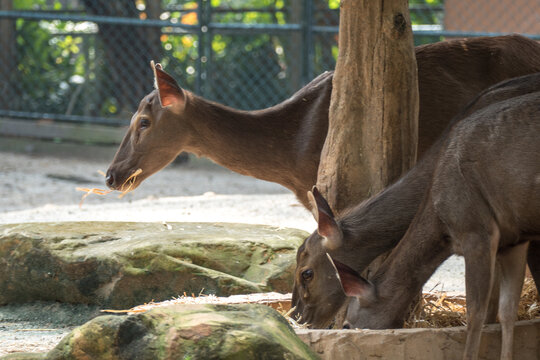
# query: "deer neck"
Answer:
x=401 y=277
x=392 y=210
x=248 y=142
x=267 y=144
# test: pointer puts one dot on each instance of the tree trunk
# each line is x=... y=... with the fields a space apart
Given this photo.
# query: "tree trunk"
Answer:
x=373 y=125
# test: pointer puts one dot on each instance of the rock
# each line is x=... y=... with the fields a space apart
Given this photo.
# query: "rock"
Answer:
x=121 y=265
x=420 y=344
x=186 y=332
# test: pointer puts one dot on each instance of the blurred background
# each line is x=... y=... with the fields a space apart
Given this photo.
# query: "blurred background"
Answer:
x=73 y=71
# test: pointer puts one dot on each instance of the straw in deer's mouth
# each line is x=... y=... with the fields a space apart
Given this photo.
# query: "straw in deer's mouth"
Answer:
x=129 y=181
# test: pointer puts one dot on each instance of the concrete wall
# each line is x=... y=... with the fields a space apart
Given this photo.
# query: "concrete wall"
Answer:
x=419 y=344
x=521 y=16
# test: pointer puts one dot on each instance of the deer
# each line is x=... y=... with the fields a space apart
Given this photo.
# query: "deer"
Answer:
x=283 y=143
x=482 y=202
x=375 y=226
x=379 y=223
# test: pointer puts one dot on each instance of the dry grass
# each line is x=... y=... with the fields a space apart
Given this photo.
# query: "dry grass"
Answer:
x=276 y=300
x=529 y=306
x=129 y=181
x=280 y=302
x=438 y=310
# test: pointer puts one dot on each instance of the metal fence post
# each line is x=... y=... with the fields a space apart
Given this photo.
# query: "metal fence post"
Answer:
x=201 y=16
x=307 y=30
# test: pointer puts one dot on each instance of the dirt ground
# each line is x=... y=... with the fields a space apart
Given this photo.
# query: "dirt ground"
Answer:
x=36 y=188
x=43 y=189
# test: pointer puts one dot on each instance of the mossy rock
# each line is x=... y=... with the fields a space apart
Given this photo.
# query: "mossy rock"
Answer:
x=186 y=332
x=119 y=265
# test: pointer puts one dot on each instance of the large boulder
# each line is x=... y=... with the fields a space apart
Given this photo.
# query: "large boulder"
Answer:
x=183 y=332
x=120 y=265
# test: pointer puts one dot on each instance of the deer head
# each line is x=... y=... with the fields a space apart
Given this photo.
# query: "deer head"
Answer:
x=317 y=294
x=156 y=134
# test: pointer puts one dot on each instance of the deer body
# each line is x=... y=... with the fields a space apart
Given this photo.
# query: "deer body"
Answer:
x=483 y=203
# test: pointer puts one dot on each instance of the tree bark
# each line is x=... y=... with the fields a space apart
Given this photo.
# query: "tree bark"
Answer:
x=373 y=116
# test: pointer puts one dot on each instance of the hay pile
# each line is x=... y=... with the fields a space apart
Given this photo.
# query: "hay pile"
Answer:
x=437 y=310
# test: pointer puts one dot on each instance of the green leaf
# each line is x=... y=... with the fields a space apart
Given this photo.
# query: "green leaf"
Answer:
x=333 y=4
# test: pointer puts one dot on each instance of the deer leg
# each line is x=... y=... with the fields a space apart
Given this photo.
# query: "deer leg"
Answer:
x=493 y=305
x=533 y=259
x=512 y=262
x=480 y=252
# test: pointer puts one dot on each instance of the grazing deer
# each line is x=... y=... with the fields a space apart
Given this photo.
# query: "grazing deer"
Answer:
x=376 y=225
x=482 y=202
x=283 y=143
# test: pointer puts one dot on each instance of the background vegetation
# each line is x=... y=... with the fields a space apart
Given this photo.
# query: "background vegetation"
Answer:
x=72 y=65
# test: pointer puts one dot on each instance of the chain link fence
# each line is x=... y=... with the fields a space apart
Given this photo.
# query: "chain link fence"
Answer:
x=88 y=60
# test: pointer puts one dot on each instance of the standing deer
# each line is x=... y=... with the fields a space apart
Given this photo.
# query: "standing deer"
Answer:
x=283 y=143
x=482 y=202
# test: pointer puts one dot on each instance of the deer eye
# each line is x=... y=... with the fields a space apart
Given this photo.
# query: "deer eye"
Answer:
x=144 y=123
x=307 y=274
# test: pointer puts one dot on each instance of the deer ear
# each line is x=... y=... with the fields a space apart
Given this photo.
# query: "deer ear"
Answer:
x=327 y=225
x=352 y=283
x=313 y=205
x=168 y=89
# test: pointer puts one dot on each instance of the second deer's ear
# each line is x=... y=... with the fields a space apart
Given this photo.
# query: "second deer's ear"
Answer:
x=327 y=225
x=168 y=89
x=353 y=284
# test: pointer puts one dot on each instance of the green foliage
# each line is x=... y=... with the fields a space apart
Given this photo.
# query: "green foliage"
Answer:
x=333 y=4
x=46 y=65
x=62 y=69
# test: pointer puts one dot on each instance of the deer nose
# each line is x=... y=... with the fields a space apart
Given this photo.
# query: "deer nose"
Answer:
x=109 y=180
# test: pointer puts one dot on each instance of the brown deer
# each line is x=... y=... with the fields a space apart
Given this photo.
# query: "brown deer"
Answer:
x=379 y=223
x=482 y=202
x=283 y=143
x=376 y=225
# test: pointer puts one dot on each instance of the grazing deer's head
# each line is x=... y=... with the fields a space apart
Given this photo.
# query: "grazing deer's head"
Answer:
x=317 y=294
x=155 y=135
